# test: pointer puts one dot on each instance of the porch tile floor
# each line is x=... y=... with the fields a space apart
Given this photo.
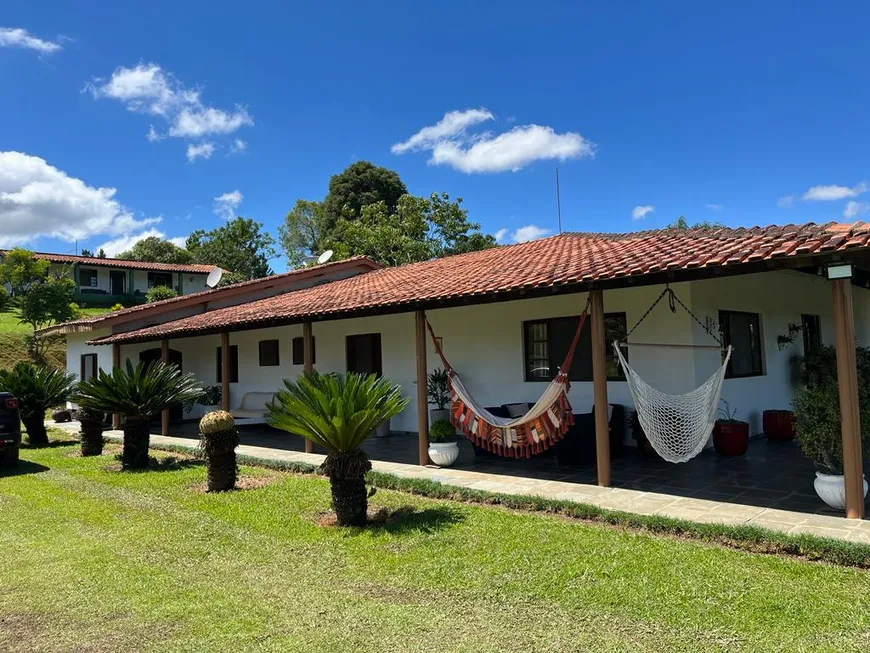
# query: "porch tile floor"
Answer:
x=771 y=486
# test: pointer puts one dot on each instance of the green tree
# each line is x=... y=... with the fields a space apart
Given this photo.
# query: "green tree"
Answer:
x=101 y=253
x=303 y=232
x=156 y=250
x=338 y=412
x=240 y=246
x=682 y=223
x=87 y=252
x=360 y=184
x=20 y=270
x=43 y=304
x=420 y=229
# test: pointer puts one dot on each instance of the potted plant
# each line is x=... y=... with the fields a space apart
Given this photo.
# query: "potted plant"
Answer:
x=138 y=393
x=817 y=421
x=438 y=391
x=778 y=425
x=37 y=388
x=443 y=448
x=211 y=397
x=730 y=435
x=92 y=431
x=338 y=412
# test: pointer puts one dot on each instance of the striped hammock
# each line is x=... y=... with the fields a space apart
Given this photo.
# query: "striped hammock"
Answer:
x=520 y=437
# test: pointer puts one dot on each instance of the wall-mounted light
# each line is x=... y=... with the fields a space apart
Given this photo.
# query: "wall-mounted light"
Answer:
x=839 y=272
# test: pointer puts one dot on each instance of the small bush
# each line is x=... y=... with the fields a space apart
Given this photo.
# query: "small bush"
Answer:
x=4 y=299
x=441 y=431
x=117 y=307
x=159 y=293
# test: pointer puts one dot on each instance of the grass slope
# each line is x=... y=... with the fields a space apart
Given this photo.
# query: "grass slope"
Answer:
x=12 y=333
x=101 y=560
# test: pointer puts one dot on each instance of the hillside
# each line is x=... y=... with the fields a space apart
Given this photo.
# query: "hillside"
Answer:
x=12 y=334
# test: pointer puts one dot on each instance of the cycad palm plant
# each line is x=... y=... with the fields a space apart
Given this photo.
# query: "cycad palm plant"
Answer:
x=138 y=393
x=338 y=412
x=37 y=388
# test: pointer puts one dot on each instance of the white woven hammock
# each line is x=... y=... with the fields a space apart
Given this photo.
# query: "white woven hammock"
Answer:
x=677 y=426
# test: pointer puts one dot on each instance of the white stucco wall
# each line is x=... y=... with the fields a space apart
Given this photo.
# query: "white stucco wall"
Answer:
x=485 y=343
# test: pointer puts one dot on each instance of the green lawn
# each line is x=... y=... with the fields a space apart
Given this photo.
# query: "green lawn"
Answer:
x=99 y=560
x=9 y=320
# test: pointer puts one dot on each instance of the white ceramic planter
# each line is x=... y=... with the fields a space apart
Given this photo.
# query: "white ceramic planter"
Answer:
x=831 y=489
x=443 y=454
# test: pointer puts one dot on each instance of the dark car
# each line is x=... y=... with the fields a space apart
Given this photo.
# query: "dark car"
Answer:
x=10 y=430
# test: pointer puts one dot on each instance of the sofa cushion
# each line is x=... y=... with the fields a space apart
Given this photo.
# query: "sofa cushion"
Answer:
x=517 y=410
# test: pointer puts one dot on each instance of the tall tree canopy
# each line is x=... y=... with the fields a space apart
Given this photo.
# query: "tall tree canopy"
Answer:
x=360 y=184
x=421 y=228
x=240 y=246
x=368 y=211
x=682 y=223
x=157 y=250
x=20 y=270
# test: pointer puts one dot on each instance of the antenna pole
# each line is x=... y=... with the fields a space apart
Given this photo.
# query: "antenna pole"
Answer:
x=558 y=202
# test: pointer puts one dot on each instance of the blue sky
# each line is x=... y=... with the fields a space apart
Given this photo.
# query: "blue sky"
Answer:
x=740 y=113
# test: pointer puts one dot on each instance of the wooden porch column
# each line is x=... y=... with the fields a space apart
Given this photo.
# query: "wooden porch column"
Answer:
x=225 y=371
x=116 y=363
x=847 y=380
x=422 y=397
x=599 y=388
x=308 y=364
x=164 y=416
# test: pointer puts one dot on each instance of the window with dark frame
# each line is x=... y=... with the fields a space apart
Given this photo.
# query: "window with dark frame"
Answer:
x=269 y=353
x=811 y=325
x=159 y=279
x=742 y=331
x=299 y=351
x=546 y=343
x=88 y=278
x=364 y=354
x=89 y=366
x=234 y=364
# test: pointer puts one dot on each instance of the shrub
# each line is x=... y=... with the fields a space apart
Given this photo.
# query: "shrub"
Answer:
x=817 y=408
x=159 y=293
x=117 y=307
x=4 y=299
x=338 y=412
x=38 y=388
x=441 y=431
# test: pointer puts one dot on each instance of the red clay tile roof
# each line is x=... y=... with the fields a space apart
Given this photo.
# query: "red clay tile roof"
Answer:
x=120 y=263
x=570 y=259
x=210 y=294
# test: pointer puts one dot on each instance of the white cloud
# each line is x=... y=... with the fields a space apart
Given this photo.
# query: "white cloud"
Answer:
x=854 y=209
x=452 y=145
x=454 y=123
x=147 y=88
x=715 y=207
x=225 y=205
x=529 y=232
x=199 y=151
x=785 y=202
x=641 y=211
x=37 y=199
x=827 y=193
x=17 y=37
x=238 y=146
x=500 y=234
x=125 y=242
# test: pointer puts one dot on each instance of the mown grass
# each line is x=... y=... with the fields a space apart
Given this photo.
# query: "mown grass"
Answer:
x=12 y=334
x=100 y=560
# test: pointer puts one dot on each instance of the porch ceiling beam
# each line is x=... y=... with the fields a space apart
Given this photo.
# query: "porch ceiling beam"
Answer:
x=847 y=381
x=573 y=287
x=422 y=395
x=164 y=415
x=599 y=388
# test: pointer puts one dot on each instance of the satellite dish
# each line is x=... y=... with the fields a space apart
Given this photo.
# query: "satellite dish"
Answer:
x=323 y=258
x=214 y=277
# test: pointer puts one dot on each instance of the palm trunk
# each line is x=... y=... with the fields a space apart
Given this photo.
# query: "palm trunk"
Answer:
x=92 y=437
x=37 y=436
x=136 y=440
x=220 y=459
x=346 y=472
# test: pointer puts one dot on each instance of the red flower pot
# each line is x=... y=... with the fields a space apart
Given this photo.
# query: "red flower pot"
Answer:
x=778 y=425
x=731 y=438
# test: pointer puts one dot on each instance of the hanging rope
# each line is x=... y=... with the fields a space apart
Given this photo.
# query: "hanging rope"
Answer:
x=673 y=300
